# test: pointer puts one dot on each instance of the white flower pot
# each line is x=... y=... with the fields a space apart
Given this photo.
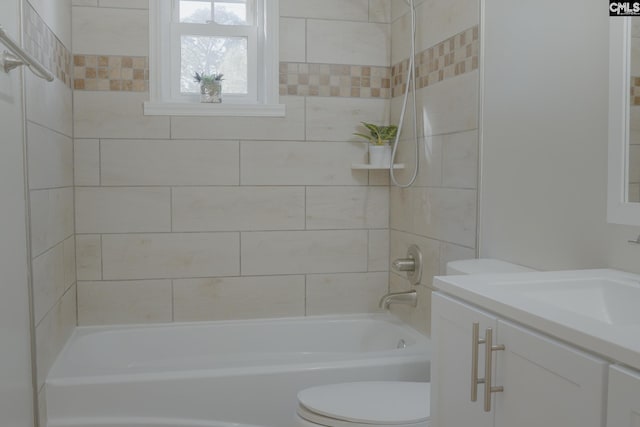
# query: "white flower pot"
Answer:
x=380 y=155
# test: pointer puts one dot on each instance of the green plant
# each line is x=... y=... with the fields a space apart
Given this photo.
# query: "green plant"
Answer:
x=379 y=135
x=207 y=78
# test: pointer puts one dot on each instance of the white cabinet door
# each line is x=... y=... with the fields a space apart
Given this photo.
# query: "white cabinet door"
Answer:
x=547 y=383
x=451 y=404
x=623 y=408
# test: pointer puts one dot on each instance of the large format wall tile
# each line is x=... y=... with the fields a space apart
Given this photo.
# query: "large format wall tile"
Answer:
x=293 y=46
x=160 y=256
x=89 y=257
x=446 y=214
x=50 y=158
x=115 y=115
x=49 y=104
x=86 y=162
x=51 y=218
x=52 y=333
x=110 y=31
x=238 y=298
x=127 y=163
x=123 y=210
x=378 y=250
x=289 y=128
x=145 y=301
x=349 y=10
x=333 y=208
x=57 y=15
x=125 y=4
x=345 y=293
x=238 y=208
x=336 y=119
x=460 y=159
x=369 y=43
x=295 y=252
x=380 y=11
x=53 y=274
x=206 y=214
x=301 y=163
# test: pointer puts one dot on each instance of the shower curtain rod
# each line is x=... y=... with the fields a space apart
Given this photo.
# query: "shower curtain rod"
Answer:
x=19 y=56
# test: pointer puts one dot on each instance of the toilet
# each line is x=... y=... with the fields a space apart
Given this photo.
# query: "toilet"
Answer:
x=383 y=403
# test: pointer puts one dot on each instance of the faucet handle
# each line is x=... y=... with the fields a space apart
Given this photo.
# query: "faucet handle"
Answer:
x=412 y=265
x=404 y=264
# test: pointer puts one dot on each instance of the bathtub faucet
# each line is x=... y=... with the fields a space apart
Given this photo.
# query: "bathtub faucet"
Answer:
x=408 y=297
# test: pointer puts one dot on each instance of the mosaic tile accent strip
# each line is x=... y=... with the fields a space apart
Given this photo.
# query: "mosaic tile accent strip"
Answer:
x=111 y=73
x=333 y=80
x=450 y=58
x=43 y=44
x=635 y=90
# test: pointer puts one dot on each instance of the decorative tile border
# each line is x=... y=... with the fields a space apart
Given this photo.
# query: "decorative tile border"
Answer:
x=452 y=57
x=111 y=73
x=43 y=44
x=334 y=80
x=635 y=90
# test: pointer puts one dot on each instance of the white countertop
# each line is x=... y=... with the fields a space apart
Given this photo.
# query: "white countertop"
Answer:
x=597 y=310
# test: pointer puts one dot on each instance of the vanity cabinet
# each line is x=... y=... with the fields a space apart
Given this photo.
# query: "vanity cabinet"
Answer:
x=538 y=381
x=623 y=407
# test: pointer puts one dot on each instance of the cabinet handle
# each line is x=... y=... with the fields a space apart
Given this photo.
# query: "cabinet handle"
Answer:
x=475 y=343
x=488 y=369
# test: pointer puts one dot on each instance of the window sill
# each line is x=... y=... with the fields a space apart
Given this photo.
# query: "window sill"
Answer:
x=222 y=110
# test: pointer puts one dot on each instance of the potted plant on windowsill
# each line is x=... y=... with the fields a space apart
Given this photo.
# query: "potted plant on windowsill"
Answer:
x=210 y=87
x=380 y=141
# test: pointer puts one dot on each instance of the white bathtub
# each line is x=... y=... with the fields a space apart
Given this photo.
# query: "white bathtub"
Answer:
x=222 y=374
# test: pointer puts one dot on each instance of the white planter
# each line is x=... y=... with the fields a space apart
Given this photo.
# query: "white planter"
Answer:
x=380 y=155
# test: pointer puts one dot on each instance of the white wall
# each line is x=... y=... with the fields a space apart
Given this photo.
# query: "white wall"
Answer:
x=544 y=138
x=16 y=403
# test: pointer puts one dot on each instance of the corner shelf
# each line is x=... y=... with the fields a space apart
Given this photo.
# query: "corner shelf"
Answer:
x=368 y=166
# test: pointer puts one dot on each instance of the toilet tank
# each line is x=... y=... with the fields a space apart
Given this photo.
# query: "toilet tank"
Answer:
x=484 y=266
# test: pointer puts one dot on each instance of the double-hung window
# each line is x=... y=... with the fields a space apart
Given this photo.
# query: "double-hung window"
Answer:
x=236 y=38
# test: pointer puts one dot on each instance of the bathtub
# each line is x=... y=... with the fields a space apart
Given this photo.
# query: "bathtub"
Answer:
x=222 y=374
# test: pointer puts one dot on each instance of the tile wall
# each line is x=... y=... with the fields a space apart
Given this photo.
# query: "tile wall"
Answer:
x=47 y=36
x=438 y=213
x=189 y=218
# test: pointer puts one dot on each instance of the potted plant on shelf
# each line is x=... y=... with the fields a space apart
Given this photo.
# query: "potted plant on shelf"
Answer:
x=210 y=87
x=380 y=141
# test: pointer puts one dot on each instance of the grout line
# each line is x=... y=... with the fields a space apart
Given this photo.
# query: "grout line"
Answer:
x=306 y=309
x=100 y=162
x=101 y=260
x=171 y=209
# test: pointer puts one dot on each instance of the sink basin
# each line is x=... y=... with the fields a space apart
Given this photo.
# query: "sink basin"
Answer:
x=601 y=299
x=597 y=310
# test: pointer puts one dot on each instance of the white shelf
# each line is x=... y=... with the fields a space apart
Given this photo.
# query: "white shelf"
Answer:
x=368 y=166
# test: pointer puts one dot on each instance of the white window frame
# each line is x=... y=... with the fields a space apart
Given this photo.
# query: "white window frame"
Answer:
x=164 y=65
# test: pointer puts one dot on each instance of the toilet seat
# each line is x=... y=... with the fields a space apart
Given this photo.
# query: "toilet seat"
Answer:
x=367 y=404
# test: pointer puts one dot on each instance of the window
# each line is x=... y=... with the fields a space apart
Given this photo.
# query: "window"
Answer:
x=238 y=38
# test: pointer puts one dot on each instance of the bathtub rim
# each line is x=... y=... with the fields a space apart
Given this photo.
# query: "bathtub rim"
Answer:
x=414 y=353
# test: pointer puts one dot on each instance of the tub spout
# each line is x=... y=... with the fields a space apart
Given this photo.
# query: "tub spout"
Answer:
x=408 y=297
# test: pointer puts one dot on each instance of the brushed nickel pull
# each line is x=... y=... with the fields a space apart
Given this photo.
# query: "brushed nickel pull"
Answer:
x=488 y=369
x=475 y=343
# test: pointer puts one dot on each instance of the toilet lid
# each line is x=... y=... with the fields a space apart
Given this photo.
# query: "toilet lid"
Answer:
x=381 y=402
